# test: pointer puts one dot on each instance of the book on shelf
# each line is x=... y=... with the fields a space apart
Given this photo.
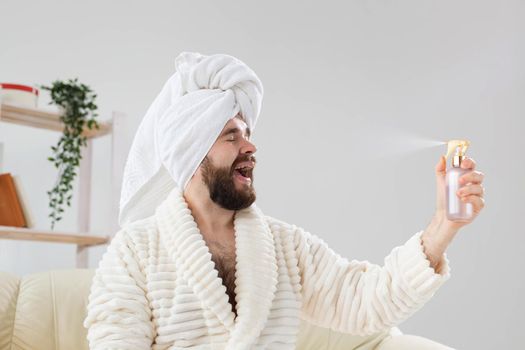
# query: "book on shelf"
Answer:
x=14 y=210
x=23 y=199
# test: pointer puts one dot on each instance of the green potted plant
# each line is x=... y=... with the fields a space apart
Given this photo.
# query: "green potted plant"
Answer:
x=77 y=103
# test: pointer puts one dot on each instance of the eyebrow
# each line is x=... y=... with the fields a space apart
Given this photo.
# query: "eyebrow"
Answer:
x=235 y=130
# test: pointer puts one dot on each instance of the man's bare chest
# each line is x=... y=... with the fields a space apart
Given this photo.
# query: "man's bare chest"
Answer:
x=223 y=255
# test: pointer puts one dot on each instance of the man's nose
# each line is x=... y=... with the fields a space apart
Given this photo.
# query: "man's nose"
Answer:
x=248 y=147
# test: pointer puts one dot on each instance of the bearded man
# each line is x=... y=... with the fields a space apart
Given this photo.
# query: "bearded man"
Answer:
x=197 y=265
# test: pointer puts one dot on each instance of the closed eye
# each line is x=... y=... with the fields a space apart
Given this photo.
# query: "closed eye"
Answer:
x=233 y=140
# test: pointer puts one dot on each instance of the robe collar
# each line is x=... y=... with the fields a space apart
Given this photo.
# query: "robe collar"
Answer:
x=256 y=274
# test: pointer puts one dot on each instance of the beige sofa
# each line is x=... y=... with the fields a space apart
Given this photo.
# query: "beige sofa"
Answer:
x=46 y=310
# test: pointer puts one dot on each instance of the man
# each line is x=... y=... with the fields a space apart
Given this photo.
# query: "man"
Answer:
x=198 y=265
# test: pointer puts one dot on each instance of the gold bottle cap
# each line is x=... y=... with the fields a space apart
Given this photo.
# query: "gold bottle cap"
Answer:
x=460 y=148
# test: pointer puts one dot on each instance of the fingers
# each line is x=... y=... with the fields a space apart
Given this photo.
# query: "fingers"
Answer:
x=473 y=192
x=478 y=202
x=475 y=177
x=468 y=163
x=474 y=189
x=441 y=166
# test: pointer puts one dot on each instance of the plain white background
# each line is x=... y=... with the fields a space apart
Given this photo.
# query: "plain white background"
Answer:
x=352 y=93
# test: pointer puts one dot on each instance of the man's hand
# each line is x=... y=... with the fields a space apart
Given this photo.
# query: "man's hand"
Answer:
x=472 y=192
x=441 y=230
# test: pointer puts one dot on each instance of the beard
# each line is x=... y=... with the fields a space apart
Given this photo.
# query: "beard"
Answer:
x=222 y=188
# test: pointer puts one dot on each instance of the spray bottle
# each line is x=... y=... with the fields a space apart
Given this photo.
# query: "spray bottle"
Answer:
x=457 y=210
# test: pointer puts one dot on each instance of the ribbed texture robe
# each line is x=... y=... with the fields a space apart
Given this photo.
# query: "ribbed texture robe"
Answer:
x=156 y=287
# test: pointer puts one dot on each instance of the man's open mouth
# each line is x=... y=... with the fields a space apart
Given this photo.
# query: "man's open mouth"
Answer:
x=243 y=174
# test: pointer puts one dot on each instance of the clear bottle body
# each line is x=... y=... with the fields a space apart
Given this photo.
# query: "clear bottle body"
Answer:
x=457 y=210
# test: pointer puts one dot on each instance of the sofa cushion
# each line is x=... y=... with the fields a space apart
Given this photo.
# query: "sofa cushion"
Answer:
x=8 y=296
x=50 y=309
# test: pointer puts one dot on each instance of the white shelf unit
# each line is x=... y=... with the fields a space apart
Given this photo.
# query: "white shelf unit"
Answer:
x=82 y=238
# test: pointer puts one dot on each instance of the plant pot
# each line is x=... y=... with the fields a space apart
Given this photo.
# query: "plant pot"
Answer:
x=18 y=94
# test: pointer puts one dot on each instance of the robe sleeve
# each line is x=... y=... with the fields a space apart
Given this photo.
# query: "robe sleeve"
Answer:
x=359 y=297
x=118 y=313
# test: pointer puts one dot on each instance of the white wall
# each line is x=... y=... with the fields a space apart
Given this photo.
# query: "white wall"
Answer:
x=336 y=76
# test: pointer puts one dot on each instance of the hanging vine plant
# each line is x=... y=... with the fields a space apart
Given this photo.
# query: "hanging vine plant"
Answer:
x=77 y=102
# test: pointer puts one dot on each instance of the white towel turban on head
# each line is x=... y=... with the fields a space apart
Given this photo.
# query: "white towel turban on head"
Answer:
x=182 y=124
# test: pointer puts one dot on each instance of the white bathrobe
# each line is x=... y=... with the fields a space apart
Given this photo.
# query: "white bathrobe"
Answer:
x=156 y=287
